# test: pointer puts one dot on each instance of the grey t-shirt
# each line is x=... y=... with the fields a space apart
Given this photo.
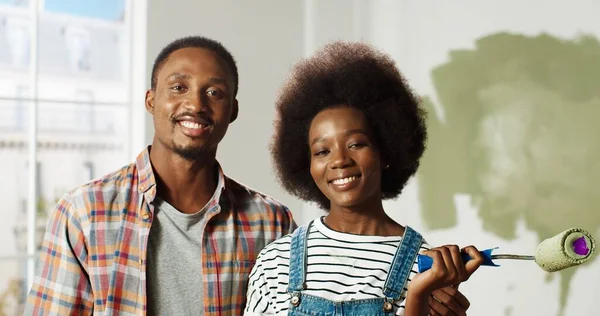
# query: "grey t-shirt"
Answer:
x=174 y=271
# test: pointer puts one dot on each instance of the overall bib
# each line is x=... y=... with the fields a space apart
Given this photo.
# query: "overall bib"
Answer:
x=303 y=304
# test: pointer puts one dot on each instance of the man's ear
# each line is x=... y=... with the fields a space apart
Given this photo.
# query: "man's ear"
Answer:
x=150 y=101
x=234 y=111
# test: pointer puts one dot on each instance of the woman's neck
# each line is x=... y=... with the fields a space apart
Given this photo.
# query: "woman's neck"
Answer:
x=371 y=221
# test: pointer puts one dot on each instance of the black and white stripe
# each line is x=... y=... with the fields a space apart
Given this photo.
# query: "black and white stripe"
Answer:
x=340 y=267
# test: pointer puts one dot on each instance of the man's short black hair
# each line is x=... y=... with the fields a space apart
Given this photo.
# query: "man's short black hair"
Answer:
x=195 y=42
x=356 y=75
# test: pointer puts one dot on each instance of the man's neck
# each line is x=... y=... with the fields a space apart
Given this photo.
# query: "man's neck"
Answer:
x=186 y=185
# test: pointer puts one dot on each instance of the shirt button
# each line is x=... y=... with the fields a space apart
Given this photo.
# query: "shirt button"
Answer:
x=145 y=216
x=295 y=300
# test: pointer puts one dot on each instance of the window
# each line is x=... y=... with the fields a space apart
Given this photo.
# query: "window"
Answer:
x=16 y=30
x=71 y=73
x=77 y=41
x=88 y=171
x=20 y=118
x=85 y=113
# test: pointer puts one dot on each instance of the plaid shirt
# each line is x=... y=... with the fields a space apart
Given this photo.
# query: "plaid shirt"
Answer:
x=93 y=257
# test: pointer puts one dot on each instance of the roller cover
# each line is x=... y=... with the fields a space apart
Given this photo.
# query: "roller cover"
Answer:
x=567 y=249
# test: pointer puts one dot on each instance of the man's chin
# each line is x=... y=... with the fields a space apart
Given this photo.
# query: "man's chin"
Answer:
x=191 y=152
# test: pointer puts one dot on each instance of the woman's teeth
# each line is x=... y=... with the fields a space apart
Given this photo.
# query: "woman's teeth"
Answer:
x=344 y=180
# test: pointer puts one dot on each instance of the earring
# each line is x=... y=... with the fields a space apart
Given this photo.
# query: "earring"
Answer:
x=387 y=166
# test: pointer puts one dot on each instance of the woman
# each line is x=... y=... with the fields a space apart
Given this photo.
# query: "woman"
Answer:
x=349 y=134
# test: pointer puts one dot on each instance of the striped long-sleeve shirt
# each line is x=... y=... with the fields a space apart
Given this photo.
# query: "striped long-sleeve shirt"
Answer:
x=339 y=267
x=93 y=256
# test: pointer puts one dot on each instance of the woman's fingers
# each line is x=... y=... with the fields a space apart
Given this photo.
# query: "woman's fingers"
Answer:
x=475 y=262
x=459 y=264
x=448 y=267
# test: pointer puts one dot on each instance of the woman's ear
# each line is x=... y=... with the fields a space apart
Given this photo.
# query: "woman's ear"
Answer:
x=384 y=163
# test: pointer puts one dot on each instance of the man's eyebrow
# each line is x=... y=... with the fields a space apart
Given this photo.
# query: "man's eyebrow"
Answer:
x=217 y=80
x=178 y=76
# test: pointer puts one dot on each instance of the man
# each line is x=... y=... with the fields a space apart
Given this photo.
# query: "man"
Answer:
x=169 y=234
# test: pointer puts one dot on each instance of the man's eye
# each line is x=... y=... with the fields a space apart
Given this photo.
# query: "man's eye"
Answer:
x=214 y=93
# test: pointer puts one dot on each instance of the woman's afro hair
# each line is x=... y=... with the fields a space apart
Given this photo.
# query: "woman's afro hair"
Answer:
x=359 y=76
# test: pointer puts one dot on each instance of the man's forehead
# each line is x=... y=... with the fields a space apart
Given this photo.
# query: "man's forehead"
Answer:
x=186 y=61
x=193 y=51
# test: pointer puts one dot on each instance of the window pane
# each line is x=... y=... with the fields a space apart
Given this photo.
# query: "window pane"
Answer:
x=82 y=54
x=12 y=287
x=14 y=50
x=14 y=188
x=82 y=115
x=109 y=10
x=13 y=113
x=16 y=3
x=84 y=122
x=75 y=52
x=14 y=179
x=78 y=142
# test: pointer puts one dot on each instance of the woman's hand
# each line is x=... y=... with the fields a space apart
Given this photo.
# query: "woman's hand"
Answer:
x=448 y=301
x=447 y=269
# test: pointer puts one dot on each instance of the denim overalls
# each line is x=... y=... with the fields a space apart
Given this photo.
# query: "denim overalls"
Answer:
x=303 y=304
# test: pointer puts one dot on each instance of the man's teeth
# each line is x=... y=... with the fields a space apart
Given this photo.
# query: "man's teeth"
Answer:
x=192 y=125
x=344 y=180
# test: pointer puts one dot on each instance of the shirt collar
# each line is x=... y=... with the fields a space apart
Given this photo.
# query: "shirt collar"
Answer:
x=147 y=181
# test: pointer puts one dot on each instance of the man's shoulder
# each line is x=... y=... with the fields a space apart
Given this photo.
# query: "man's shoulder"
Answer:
x=245 y=194
x=121 y=178
x=105 y=189
x=256 y=205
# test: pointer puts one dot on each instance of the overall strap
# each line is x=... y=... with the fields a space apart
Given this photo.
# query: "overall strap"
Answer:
x=298 y=259
x=402 y=264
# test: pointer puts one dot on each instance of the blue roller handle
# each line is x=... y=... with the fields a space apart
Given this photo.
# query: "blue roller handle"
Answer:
x=425 y=262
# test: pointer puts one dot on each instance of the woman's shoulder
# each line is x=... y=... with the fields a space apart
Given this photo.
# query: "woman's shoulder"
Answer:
x=276 y=248
x=424 y=244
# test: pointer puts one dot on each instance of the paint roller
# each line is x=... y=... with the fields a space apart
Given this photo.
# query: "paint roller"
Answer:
x=570 y=248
